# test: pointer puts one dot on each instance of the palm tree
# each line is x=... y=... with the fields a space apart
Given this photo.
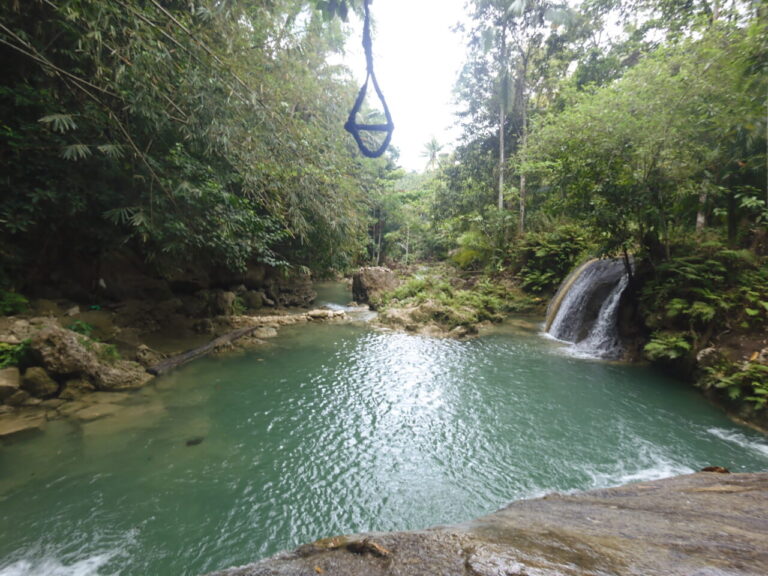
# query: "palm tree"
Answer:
x=431 y=153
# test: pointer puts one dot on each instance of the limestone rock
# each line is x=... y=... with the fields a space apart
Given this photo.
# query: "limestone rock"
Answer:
x=18 y=398
x=123 y=375
x=369 y=282
x=253 y=300
x=22 y=421
x=75 y=388
x=96 y=412
x=223 y=303
x=10 y=381
x=148 y=357
x=264 y=332
x=38 y=383
x=63 y=352
x=695 y=524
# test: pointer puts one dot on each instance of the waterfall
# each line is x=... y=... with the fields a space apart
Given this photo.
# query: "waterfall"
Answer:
x=585 y=310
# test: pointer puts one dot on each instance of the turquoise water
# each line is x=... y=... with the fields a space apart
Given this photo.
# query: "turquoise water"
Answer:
x=336 y=429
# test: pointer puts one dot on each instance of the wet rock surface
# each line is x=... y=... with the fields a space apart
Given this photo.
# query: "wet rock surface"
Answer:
x=370 y=281
x=704 y=524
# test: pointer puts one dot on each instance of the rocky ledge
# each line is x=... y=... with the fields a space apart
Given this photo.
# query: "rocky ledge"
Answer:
x=704 y=524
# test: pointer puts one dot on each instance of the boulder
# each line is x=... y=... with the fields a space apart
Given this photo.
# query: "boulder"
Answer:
x=222 y=303
x=38 y=383
x=253 y=300
x=148 y=357
x=122 y=375
x=368 y=283
x=63 y=352
x=66 y=353
x=10 y=382
x=18 y=398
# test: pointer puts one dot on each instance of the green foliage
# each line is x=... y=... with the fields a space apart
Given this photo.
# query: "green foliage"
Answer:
x=706 y=290
x=12 y=303
x=748 y=381
x=546 y=258
x=206 y=133
x=452 y=305
x=667 y=346
x=81 y=327
x=238 y=306
x=12 y=354
x=108 y=353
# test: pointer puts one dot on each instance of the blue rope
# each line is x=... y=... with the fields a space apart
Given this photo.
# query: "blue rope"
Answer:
x=351 y=125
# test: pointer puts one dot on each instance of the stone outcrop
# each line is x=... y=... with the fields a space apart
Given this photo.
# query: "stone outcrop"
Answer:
x=369 y=282
x=703 y=523
x=10 y=382
x=65 y=354
x=38 y=383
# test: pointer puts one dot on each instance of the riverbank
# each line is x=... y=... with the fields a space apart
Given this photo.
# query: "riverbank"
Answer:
x=694 y=524
x=64 y=369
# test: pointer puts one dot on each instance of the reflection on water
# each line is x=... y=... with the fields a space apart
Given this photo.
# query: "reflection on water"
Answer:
x=342 y=429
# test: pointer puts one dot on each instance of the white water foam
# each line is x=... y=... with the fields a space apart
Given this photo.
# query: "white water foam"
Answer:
x=51 y=566
x=740 y=440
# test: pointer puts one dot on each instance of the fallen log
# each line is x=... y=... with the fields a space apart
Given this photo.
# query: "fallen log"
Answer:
x=180 y=359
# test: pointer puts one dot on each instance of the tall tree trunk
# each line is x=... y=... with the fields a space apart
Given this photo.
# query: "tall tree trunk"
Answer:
x=523 y=142
x=523 y=79
x=701 y=215
x=503 y=89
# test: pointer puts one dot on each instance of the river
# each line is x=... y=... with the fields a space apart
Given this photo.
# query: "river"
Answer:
x=341 y=428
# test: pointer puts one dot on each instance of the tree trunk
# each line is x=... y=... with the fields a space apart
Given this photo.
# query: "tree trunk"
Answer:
x=502 y=111
x=176 y=361
x=701 y=215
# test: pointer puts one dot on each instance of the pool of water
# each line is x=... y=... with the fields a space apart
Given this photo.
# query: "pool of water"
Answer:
x=337 y=429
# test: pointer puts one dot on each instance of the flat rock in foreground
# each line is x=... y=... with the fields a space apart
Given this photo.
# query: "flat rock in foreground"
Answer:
x=703 y=524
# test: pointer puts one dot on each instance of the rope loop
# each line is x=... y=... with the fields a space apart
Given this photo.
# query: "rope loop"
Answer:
x=352 y=125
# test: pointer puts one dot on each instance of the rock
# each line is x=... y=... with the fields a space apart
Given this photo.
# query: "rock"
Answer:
x=123 y=375
x=253 y=300
x=223 y=303
x=95 y=412
x=75 y=388
x=18 y=398
x=10 y=382
x=63 y=352
x=45 y=307
x=368 y=283
x=264 y=332
x=148 y=357
x=22 y=421
x=73 y=311
x=52 y=403
x=38 y=383
x=695 y=524
x=320 y=314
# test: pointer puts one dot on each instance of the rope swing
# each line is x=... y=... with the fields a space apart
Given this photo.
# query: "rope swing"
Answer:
x=351 y=125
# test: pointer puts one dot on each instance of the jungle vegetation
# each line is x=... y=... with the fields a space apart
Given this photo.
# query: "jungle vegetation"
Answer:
x=210 y=131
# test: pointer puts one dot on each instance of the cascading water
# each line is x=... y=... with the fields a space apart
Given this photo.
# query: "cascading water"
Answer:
x=584 y=312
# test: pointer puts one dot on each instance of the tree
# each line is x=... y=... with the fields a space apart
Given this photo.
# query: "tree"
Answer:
x=432 y=153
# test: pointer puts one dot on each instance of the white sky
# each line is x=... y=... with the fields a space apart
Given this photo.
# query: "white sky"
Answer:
x=416 y=58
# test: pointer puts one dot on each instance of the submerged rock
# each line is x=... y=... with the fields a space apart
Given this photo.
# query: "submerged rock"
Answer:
x=25 y=420
x=696 y=524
